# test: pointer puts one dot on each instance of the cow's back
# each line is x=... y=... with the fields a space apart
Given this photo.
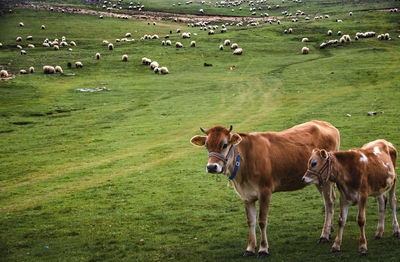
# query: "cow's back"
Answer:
x=280 y=158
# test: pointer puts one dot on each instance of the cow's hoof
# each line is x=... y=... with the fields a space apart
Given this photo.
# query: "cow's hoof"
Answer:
x=396 y=234
x=249 y=254
x=363 y=251
x=377 y=237
x=262 y=254
x=334 y=250
x=323 y=240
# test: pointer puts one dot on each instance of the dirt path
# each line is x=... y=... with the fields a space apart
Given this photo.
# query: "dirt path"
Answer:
x=148 y=15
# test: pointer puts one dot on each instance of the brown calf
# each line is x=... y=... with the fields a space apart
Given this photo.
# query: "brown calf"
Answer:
x=358 y=173
x=268 y=162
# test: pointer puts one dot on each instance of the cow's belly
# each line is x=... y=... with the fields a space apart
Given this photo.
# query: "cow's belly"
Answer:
x=246 y=192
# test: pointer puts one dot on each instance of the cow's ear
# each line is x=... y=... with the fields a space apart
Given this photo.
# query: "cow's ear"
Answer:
x=198 y=140
x=323 y=153
x=235 y=139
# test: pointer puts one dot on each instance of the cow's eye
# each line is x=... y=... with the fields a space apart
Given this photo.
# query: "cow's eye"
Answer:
x=313 y=163
x=224 y=146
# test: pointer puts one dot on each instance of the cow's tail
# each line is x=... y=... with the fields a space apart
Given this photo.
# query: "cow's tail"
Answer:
x=393 y=154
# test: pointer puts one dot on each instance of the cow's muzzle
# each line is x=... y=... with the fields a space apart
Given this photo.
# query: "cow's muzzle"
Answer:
x=214 y=168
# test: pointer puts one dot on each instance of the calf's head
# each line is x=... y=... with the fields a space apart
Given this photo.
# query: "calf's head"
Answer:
x=218 y=141
x=319 y=167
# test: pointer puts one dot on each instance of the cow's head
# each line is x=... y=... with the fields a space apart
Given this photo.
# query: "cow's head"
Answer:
x=317 y=165
x=218 y=142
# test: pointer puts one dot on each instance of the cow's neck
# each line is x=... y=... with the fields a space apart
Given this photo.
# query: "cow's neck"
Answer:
x=230 y=164
x=338 y=176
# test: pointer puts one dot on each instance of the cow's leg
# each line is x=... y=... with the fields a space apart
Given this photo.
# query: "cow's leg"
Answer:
x=344 y=207
x=264 y=198
x=362 y=247
x=392 y=199
x=381 y=222
x=251 y=213
x=328 y=193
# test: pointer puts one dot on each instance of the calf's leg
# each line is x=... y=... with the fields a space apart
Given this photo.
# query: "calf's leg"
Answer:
x=328 y=193
x=264 y=198
x=344 y=208
x=381 y=221
x=392 y=199
x=362 y=247
x=251 y=213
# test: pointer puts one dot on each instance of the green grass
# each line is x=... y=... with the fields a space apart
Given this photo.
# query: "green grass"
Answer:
x=111 y=175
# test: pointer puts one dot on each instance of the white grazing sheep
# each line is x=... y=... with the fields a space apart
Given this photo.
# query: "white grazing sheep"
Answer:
x=43 y=27
x=234 y=46
x=59 y=69
x=211 y=32
x=279 y=22
x=290 y=30
x=48 y=70
x=350 y=13
x=3 y=73
x=31 y=70
x=153 y=65
x=387 y=36
x=97 y=56
x=178 y=45
x=339 y=20
x=78 y=64
x=305 y=50
x=227 y=42
x=329 y=32
x=55 y=47
x=69 y=49
x=110 y=46
x=339 y=33
x=154 y=37
x=193 y=44
x=342 y=39
x=178 y=31
x=1 y=45
x=63 y=43
x=31 y=46
x=356 y=38
x=323 y=45
x=22 y=72
x=105 y=42
x=164 y=70
x=117 y=40
x=221 y=47
x=238 y=51
x=21 y=24
x=29 y=37
x=146 y=61
x=168 y=43
x=185 y=35
x=18 y=39
x=125 y=58
x=72 y=43
x=19 y=47
x=305 y=39
x=23 y=52
x=128 y=35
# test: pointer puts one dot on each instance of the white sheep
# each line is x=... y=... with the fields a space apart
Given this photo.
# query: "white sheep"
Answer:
x=97 y=56
x=178 y=45
x=55 y=47
x=238 y=51
x=18 y=39
x=339 y=33
x=23 y=52
x=29 y=37
x=329 y=32
x=227 y=42
x=185 y=35
x=58 y=69
x=22 y=72
x=105 y=42
x=350 y=13
x=153 y=65
x=154 y=37
x=178 y=31
x=117 y=40
x=164 y=70
x=63 y=43
x=46 y=45
x=31 y=46
x=3 y=73
x=305 y=50
x=146 y=61
x=19 y=47
x=48 y=70
x=125 y=58
x=305 y=39
x=78 y=64
x=193 y=44
x=128 y=35
x=290 y=30
x=1 y=45
x=234 y=46
x=21 y=24
x=110 y=46
x=162 y=42
x=31 y=70
x=211 y=32
x=72 y=43
x=221 y=47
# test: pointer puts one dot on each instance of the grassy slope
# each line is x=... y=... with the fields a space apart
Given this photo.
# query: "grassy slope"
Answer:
x=111 y=175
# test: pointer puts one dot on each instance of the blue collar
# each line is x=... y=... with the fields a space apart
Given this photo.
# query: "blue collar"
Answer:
x=232 y=176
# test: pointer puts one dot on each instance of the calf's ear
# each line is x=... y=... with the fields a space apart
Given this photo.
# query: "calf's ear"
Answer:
x=235 y=139
x=323 y=153
x=198 y=140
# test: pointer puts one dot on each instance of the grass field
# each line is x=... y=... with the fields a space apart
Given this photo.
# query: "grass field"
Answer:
x=111 y=175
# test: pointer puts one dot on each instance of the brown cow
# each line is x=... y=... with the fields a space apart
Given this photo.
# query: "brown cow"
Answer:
x=261 y=163
x=358 y=173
